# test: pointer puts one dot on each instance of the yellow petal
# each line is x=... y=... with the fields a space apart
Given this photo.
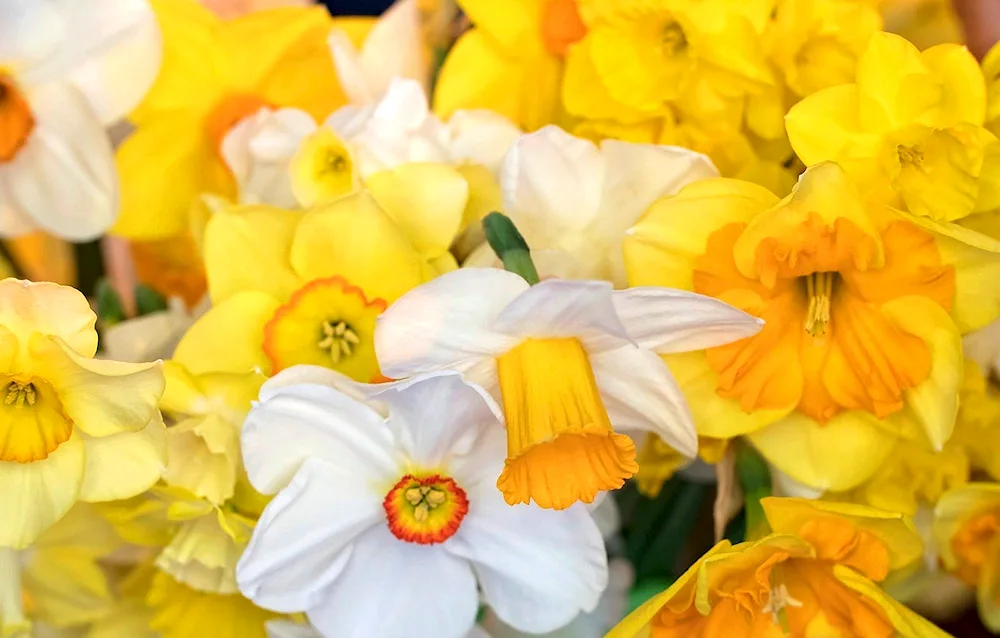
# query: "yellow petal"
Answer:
x=35 y=495
x=955 y=508
x=660 y=250
x=60 y=311
x=427 y=202
x=228 y=337
x=515 y=26
x=355 y=239
x=963 y=95
x=814 y=454
x=586 y=96
x=198 y=463
x=484 y=194
x=826 y=126
x=203 y=556
x=101 y=397
x=246 y=248
x=123 y=465
x=907 y=623
x=895 y=531
x=895 y=86
x=977 y=297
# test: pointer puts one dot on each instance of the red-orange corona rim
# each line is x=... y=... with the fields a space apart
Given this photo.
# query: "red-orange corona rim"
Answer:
x=16 y=120
x=425 y=510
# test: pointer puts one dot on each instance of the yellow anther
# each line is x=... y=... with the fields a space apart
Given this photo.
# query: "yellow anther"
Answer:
x=339 y=339
x=421 y=512
x=819 y=290
x=435 y=498
x=20 y=393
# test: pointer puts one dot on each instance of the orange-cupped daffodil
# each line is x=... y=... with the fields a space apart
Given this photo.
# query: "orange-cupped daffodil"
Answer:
x=815 y=575
x=864 y=313
x=910 y=126
x=215 y=73
x=71 y=427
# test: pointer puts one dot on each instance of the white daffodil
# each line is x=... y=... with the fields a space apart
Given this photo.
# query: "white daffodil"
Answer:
x=288 y=629
x=283 y=158
x=386 y=521
x=570 y=361
x=573 y=201
x=67 y=70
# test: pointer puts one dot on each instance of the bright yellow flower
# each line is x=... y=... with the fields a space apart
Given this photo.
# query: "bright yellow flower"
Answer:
x=925 y=23
x=182 y=612
x=911 y=124
x=815 y=575
x=293 y=288
x=214 y=74
x=991 y=71
x=863 y=311
x=71 y=427
x=511 y=62
x=966 y=526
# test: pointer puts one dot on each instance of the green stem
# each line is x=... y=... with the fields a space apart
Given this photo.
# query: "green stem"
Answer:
x=509 y=245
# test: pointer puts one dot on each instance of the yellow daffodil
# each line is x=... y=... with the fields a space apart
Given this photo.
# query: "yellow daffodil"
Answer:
x=74 y=427
x=925 y=23
x=215 y=73
x=511 y=61
x=863 y=309
x=815 y=575
x=183 y=612
x=991 y=71
x=910 y=124
x=967 y=531
x=293 y=288
x=57 y=581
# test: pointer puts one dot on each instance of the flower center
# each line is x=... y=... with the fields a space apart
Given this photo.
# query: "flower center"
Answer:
x=562 y=26
x=971 y=545
x=32 y=422
x=910 y=156
x=228 y=113
x=560 y=445
x=672 y=39
x=425 y=510
x=16 y=120
x=777 y=601
x=339 y=339
x=322 y=169
x=819 y=289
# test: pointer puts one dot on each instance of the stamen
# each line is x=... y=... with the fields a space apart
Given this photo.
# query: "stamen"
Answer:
x=819 y=289
x=910 y=156
x=672 y=38
x=20 y=393
x=339 y=339
x=777 y=602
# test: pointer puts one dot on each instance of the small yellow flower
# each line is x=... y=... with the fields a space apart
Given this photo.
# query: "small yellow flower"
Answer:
x=815 y=575
x=71 y=427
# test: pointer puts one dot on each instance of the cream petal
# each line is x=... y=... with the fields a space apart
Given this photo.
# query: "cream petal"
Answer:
x=481 y=137
x=295 y=423
x=668 y=321
x=64 y=177
x=125 y=464
x=433 y=594
x=30 y=31
x=288 y=629
x=13 y=223
x=27 y=307
x=640 y=393
x=35 y=495
x=298 y=548
x=447 y=322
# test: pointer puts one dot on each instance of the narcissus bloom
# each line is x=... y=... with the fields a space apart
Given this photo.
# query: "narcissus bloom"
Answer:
x=573 y=200
x=270 y=58
x=967 y=531
x=67 y=70
x=409 y=470
x=569 y=360
x=864 y=313
x=73 y=427
x=815 y=575
x=910 y=124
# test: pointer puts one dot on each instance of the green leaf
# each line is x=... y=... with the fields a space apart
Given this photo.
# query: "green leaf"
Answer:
x=646 y=589
x=755 y=480
x=109 y=305
x=509 y=245
x=148 y=300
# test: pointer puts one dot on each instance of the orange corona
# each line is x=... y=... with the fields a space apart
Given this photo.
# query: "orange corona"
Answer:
x=425 y=510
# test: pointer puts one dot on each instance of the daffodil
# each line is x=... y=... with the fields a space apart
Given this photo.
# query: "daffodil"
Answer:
x=816 y=575
x=74 y=428
x=511 y=61
x=911 y=124
x=58 y=581
x=289 y=629
x=292 y=287
x=573 y=200
x=66 y=72
x=276 y=58
x=409 y=467
x=966 y=526
x=991 y=71
x=570 y=361
x=864 y=313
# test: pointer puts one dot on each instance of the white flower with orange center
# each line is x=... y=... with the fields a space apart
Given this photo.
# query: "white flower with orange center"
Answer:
x=386 y=517
x=569 y=360
x=67 y=70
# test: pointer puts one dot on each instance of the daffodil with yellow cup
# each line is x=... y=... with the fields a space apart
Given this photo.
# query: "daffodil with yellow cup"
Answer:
x=864 y=310
x=72 y=427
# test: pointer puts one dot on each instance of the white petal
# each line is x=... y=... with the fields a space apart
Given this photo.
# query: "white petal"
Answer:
x=30 y=31
x=395 y=589
x=64 y=178
x=438 y=416
x=565 y=308
x=537 y=568
x=111 y=51
x=302 y=421
x=551 y=184
x=306 y=535
x=288 y=629
x=447 y=322
x=481 y=137
x=350 y=72
x=258 y=151
x=13 y=223
x=668 y=321
x=641 y=394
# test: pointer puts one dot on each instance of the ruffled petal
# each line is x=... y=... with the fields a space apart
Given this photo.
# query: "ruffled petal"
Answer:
x=27 y=307
x=125 y=464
